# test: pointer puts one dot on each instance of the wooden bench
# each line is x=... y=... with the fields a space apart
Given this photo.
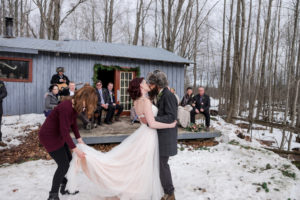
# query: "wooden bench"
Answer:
x=200 y=118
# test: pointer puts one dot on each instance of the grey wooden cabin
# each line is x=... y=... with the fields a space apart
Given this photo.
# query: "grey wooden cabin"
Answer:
x=28 y=64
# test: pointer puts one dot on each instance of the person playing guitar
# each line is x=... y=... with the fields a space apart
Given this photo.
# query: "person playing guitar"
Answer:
x=60 y=79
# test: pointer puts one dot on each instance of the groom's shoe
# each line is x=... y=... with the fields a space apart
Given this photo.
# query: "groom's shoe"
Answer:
x=63 y=190
x=168 y=197
x=53 y=196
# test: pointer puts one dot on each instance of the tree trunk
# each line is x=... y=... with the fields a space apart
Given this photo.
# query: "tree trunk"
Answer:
x=222 y=61
x=228 y=56
x=106 y=21
x=16 y=18
x=110 y=20
x=238 y=95
x=276 y=60
x=175 y=25
x=263 y=62
x=236 y=68
x=195 y=48
x=243 y=91
x=56 y=20
x=139 y=7
x=252 y=97
x=163 y=23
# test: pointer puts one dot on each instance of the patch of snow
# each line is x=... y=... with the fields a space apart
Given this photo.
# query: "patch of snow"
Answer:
x=228 y=171
x=19 y=125
x=222 y=172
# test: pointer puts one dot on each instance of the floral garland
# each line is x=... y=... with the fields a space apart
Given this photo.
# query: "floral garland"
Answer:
x=110 y=68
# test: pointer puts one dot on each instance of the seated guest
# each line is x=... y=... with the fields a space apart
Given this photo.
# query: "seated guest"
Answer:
x=112 y=101
x=103 y=104
x=174 y=92
x=185 y=108
x=202 y=104
x=51 y=100
x=187 y=99
x=60 y=78
x=70 y=90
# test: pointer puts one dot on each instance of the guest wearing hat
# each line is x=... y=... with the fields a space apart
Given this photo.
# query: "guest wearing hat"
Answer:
x=60 y=78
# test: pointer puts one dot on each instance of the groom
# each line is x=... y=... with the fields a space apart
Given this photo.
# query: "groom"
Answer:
x=167 y=138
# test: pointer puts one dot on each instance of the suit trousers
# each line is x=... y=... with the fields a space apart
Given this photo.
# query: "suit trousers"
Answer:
x=165 y=175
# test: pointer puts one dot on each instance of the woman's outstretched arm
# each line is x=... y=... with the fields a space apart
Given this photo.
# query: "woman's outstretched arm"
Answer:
x=150 y=117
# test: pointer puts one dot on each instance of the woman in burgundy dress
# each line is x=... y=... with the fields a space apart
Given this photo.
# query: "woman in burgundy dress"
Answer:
x=55 y=136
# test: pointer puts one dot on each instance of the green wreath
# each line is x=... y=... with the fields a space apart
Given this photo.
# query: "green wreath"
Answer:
x=110 y=68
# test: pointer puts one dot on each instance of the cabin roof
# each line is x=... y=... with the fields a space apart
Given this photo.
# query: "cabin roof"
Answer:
x=32 y=45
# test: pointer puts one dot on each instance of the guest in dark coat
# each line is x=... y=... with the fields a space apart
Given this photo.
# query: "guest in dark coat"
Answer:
x=60 y=77
x=51 y=100
x=202 y=105
x=187 y=99
x=55 y=136
x=3 y=94
x=112 y=101
x=103 y=99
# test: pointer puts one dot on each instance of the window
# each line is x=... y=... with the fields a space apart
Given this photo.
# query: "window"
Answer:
x=15 y=69
x=125 y=78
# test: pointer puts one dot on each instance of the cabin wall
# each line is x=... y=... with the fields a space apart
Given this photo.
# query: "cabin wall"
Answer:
x=26 y=98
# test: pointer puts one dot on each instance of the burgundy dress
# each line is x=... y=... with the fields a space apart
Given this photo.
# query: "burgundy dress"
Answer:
x=55 y=131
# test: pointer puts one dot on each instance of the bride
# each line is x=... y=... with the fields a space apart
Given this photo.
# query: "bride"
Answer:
x=130 y=171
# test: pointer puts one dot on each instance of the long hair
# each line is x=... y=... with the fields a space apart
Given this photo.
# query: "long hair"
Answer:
x=134 y=89
x=88 y=95
x=158 y=78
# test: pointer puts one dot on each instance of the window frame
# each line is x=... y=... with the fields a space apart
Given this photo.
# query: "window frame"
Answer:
x=29 y=79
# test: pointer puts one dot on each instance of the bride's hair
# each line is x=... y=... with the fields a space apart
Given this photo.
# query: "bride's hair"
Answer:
x=134 y=89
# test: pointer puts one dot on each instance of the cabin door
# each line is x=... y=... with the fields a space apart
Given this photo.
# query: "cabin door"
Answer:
x=122 y=79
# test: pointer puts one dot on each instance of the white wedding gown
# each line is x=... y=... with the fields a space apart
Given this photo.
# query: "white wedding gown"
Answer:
x=130 y=171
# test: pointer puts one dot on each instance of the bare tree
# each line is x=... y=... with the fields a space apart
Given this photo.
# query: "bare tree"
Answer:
x=236 y=68
x=252 y=97
x=228 y=55
x=222 y=60
x=243 y=91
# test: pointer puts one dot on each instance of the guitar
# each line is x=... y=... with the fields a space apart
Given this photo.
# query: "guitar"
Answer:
x=63 y=86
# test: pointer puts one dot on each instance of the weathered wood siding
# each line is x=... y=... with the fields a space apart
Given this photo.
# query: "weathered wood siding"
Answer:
x=29 y=97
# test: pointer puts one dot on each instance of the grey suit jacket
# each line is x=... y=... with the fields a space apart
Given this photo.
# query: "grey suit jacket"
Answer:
x=167 y=113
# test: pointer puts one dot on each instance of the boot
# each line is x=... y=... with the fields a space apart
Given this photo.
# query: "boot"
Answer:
x=168 y=197
x=2 y=144
x=53 y=196
x=63 y=190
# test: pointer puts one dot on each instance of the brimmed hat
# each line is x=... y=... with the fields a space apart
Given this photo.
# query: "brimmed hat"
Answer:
x=158 y=78
x=60 y=69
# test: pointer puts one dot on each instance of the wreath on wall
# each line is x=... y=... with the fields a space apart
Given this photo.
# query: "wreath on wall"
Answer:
x=98 y=67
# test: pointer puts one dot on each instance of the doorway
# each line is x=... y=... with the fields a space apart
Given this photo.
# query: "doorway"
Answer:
x=106 y=76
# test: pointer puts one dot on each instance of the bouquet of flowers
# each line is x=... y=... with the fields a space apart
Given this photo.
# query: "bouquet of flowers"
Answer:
x=195 y=127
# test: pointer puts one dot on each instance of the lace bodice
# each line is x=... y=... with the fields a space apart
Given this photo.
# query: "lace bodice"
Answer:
x=154 y=110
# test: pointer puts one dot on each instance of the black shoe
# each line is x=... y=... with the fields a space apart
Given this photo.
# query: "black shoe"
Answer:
x=53 y=196
x=95 y=125
x=63 y=190
x=108 y=122
x=99 y=123
x=88 y=126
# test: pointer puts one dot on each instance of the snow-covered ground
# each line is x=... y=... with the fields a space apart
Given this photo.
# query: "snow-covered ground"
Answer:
x=19 y=125
x=234 y=169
